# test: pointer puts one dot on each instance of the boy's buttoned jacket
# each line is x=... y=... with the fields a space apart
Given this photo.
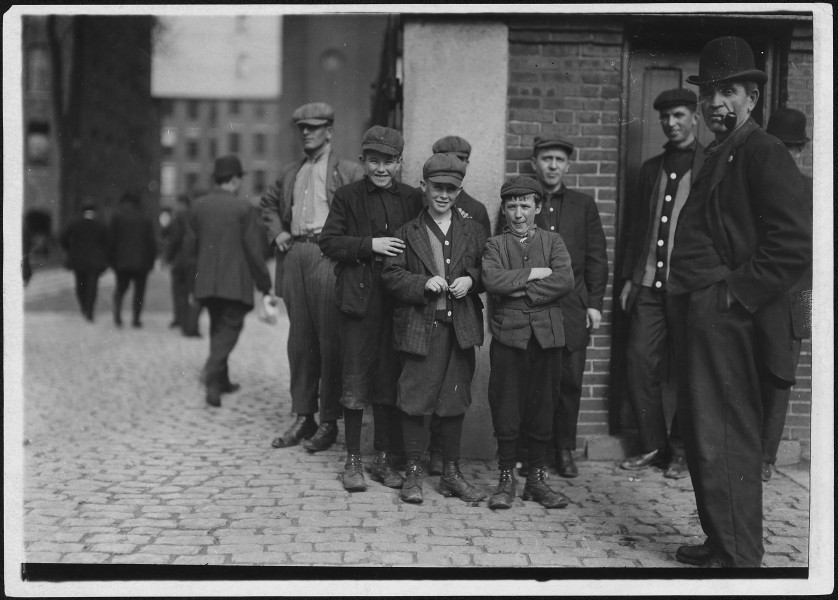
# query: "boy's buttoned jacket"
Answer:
x=525 y=308
x=405 y=276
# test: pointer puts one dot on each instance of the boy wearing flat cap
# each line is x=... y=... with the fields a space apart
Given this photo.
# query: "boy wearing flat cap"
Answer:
x=456 y=145
x=743 y=238
x=527 y=270
x=359 y=235
x=437 y=323
x=661 y=191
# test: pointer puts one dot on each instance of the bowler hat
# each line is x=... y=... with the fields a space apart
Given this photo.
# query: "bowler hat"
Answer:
x=520 y=185
x=676 y=97
x=788 y=125
x=444 y=168
x=315 y=113
x=454 y=144
x=384 y=140
x=726 y=59
x=225 y=166
x=542 y=143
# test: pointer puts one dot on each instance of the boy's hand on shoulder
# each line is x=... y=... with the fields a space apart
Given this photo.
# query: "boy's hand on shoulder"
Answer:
x=539 y=273
x=388 y=246
x=461 y=286
x=436 y=285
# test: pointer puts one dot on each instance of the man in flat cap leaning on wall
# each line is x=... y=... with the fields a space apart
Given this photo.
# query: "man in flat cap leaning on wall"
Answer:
x=743 y=238
x=294 y=210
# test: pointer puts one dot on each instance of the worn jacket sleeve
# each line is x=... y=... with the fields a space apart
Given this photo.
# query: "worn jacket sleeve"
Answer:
x=596 y=257
x=270 y=205
x=404 y=285
x=335 y=241
x=784 y=228
x=497 y=279
x=254 y=250
x=636 y=218
x=556 y=285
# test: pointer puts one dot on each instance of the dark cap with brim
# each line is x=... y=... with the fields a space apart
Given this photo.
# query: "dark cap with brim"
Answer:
x=726 y=59
x=315 y=114
x=788 y=125
x=384 y=140
x=543 y=143
x=520 y=185
x=453 y=144
x=676 y=97
x=444 y=168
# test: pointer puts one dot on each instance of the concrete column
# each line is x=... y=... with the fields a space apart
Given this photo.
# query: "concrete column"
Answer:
x=455 y=83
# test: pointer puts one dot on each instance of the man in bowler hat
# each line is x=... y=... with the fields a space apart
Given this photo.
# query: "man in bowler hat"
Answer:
x=224 y=247
x=294 y=210
x=743 y=238
x=662 y=190
x=789 y=126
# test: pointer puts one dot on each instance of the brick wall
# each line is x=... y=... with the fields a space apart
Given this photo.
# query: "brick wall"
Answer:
x=564 y=79
x=801 y=97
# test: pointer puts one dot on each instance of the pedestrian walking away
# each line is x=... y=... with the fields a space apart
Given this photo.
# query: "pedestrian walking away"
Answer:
x=133 y=252
x=224 y=248
x=358 y=234
x=294 y=210
x=527 y=270
x=186 y=314
x=743 y=237
x=86 y=242
x=437 y=323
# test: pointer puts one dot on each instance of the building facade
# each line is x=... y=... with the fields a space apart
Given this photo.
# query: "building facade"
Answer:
x=590 y=79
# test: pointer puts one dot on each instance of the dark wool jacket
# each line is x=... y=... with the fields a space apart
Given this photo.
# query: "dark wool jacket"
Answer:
x=133 y=243
x=761 y=223
x=524 y=308
x=86 y=243
x=405 y=277
x=476 y=210
x=224 y=248
x=277 y=201
x=347 y=239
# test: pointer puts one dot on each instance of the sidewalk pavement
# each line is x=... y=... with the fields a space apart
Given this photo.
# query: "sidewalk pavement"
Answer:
x=124 y=463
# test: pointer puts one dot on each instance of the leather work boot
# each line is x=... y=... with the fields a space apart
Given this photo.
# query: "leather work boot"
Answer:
x=412 y=488
x=323 y=438
x=504 y=494
x=698 y=555
x=435 y=464
x=564 y=463
x=353 y=474
x=537 y=489
x=382 y=471
x=303 y=428
x=452 y=483
x=677 y=468
x=643 y=461
x=213 y=396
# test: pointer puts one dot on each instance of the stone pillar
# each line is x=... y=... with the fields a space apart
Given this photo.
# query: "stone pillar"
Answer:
x=455 y=83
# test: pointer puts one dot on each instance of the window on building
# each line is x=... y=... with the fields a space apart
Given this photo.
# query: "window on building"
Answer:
x=259 y=110
x=259 y=144
x=213 y=113
x=233 y=143
x=167 y=108
x=258 y=181
x=192 y=107
x=234 y=107
x=168 y=179
x=168 y=141
x=37 y=71
x=213 y=148
x=192 y=150
x=38 y=143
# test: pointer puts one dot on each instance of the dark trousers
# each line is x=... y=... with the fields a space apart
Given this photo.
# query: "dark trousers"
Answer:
x=568 y=398
x=87 y=286
x=226 y=323
x=186 y=314
x=775 y=406
x=521 y=385
x=314 y=332
x=123 y=280
x=720 y=416
x=647 y=354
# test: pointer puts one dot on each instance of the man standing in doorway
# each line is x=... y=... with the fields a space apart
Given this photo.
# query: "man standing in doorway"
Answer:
x=294 y=210
x=225 y=252
x=575 y=217
x=662 y=190
x=743 y=238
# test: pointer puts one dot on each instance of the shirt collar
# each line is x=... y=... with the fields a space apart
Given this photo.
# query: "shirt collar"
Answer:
x=670 y=147
x=371 y=187
x=321 y=155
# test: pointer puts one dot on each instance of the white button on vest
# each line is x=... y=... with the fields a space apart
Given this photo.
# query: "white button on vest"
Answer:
x=668 y=198
x=660 y=264
x=672 y=176
x=551 y=209
x=664 y=219
x=446 y=243
x=552 y=228
x=660 y=242
x=449 y=313
x=448 y=261
x=657 y=285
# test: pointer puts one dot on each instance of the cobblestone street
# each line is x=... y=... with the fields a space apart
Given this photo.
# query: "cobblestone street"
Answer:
x=124 y=463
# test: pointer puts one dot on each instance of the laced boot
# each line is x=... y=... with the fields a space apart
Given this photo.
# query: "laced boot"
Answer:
x=412 y=488
x=537 y=489
x=353 y=474
x=504 y=494
x=382 y=470
x=452 y=483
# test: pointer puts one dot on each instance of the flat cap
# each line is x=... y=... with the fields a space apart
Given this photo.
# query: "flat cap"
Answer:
x=676 y=97
x=444 y=168
x=544 y=142
x=315 y=113
x=383 y=139
x=520 y=185
x=454 y=144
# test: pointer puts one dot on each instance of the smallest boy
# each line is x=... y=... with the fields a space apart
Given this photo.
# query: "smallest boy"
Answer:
x=438 y=322
x=527 y=270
